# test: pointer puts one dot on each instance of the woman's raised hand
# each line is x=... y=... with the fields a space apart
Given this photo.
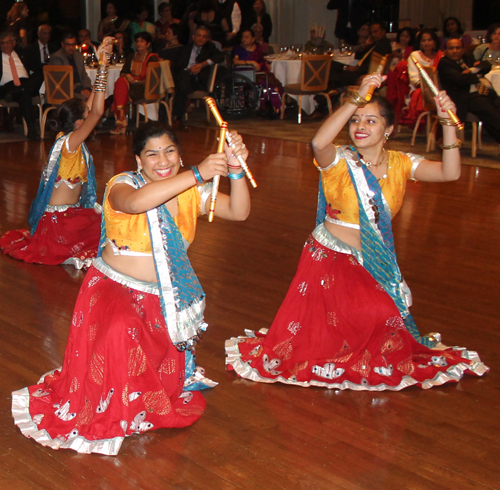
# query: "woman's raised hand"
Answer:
x=215 y=164
x=444 y=104
x=104 y=51
x=238 y=148
x=372 y=80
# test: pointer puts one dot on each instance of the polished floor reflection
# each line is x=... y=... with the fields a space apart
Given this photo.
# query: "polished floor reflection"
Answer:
x=256 y=435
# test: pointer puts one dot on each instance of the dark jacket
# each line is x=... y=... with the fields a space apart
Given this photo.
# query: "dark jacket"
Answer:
x=33 y=60
x=359 y=15
x=61 y=58
x=458 y=84
x=208 y=52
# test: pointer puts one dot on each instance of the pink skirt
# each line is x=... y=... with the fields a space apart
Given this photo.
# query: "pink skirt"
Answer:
x=121 y=375
x=338 y=328
x=70 y=236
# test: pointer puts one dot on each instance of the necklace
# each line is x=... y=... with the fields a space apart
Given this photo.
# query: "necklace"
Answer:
x=371 y=164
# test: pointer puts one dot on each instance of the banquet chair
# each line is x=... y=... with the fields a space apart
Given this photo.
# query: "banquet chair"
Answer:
x=14 y=105
x=430 y=111
x=315 y=71
x=199 y=95
x=156 y=89
x=58 y=89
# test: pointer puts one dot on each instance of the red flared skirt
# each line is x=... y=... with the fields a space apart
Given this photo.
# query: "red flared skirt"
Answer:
x=338 y=328
x=121 y=375
x=70 y=236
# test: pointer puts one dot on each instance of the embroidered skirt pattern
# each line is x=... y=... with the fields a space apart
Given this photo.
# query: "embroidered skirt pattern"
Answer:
x=338 y=328
x=121 y=375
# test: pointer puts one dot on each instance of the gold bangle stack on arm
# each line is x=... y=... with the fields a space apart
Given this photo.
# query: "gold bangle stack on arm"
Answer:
x=446 y=122
x=357 y=100
x=457 y=144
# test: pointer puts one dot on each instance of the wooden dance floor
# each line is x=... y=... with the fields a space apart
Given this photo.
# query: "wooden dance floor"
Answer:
x=256 y=436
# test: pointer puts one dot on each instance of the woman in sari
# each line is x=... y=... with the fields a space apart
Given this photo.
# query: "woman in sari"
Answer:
x=129 y=363
x=64 y=217
x=345 y=321
x=131 y=83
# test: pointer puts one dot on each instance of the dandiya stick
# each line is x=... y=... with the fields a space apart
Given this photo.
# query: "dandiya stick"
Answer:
x=216 y=180
x=213 y=107
x=435 y=91
x=380 y=69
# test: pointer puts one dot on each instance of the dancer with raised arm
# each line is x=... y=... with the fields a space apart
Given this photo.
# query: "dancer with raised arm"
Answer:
x=345 y=321
x=129 y=364
x=64 y=217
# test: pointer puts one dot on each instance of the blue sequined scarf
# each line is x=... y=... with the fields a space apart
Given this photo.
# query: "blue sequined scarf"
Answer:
x=48 y=179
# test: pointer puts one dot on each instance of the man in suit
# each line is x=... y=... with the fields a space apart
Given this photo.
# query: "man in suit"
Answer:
x=463 y=79
x=191 y=70
x=84 y=38
x=37 y=55
x=68 y=55
x=351 y=15
x=15 y=84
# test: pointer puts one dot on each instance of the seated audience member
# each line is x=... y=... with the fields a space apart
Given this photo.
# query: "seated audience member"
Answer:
x=260 y=16
x=166 y=18
x=140 y=23
x=173 y=46
x=17 y=23
x=351 y=15
x=69 y=56
x=37 y=55
x=403 y=46
x=258 y=30
x=131 y=83
x=86 y=44
x=112 y=23
x=489 y=51
x=15 y=83
x=191 y=70
x=452 y=27
x=122 y=49
x=228 y=15
x=249 y=53
x=342 y=75
x=317 y=44
x=462 y=78
x=362 y=40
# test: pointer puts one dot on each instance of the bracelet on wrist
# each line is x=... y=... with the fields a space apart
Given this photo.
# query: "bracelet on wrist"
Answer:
x=357 y=100
x=233 y=166
x=457 y=144
x=236 y=176
x=446 y=122
x=197 y=175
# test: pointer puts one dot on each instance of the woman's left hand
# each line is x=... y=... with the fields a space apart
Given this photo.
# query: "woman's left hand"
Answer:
x=104 y=51
x=238 y=148
x=444 y=104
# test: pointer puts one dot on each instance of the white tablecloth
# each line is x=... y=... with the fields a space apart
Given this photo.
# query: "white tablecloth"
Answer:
x=288 y=71
x=346 y=60
x=494 y=77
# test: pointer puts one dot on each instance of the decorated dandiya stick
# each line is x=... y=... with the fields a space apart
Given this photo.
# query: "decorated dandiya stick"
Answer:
x=216 y=180
x=435 y=91
x=215 y=111
x=379 y=71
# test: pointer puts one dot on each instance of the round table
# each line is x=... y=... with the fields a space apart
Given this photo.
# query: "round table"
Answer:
x=113 y=76
x=494 y=77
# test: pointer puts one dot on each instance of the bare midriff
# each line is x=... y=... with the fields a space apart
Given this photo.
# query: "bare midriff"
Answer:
x=64 y=195
x=350 y=236
x=142 y=268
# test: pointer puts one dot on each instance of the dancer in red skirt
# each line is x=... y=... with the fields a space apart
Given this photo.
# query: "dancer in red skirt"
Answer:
x=129 y=363
x=345 y=322
x=64 y=217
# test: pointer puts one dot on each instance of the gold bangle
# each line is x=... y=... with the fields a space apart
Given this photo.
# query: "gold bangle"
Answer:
x=457 y=144
x=446 y=122
x=357 y=100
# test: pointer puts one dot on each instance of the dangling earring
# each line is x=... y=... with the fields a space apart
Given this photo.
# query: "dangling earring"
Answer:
x=386 y=136
x=180 y=160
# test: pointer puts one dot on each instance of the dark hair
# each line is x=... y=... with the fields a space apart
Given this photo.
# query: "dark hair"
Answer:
x=140 y=9
x=380 y=23
x=68 y=113
x=459 y=26
x=162 y=7
x=432 y=33
x=264 y=9
x=386 y=109
x=247 y=30
x=152 y=129
x=410 y=31
x=455 y=37
x=175 y=28
x=144 y=35
x=5 y=34
x=69 y=35
x=491 y=30
x=205 y=6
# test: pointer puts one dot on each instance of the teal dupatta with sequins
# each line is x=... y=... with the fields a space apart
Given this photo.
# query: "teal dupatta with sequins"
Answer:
x=377 y=242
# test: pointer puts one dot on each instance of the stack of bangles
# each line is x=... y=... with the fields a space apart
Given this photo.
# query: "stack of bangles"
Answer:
x=101 y=79
x=235 y=176
x=357 y=100
x=449 y=122
x=199 y=179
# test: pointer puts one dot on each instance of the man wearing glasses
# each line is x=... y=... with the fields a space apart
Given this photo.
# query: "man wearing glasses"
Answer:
x=15 y=84
x=68 y=55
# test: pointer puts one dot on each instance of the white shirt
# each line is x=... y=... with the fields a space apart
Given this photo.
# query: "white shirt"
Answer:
x=235 y=16
x=7 y=74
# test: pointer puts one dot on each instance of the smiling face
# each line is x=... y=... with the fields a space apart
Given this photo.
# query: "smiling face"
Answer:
x=367 y=127
x=159 y=159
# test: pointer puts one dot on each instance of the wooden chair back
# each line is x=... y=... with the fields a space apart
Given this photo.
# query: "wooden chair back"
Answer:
x=59 y=85
x=376 y=59
x=167 y=79
x=154 y=89
x=315 y=72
